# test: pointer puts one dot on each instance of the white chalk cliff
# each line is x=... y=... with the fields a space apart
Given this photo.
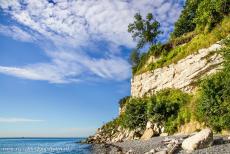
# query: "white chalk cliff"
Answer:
x=181 y=75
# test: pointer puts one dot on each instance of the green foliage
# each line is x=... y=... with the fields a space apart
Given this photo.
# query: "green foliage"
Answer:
x=201 y=40
x=185 y=22
x=213 y=106
x=211 y=12
x=135 y=115
x=123 y=101
x=166 y=107
x=135 y=58
x=200 y=14
x=144 y=30
x=154 y=50
x=111 y=125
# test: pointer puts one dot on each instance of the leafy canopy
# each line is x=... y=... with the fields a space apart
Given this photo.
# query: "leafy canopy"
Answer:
x=144 y=31
x=185 y=22
x=201 y=15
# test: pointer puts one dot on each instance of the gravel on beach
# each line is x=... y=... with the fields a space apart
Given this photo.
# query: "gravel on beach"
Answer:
x=141 y=147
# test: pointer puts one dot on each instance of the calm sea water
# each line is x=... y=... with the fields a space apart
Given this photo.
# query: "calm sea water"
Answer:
x=43 y=146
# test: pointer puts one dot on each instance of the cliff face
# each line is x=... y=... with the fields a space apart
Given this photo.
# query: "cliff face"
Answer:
x=181 y=75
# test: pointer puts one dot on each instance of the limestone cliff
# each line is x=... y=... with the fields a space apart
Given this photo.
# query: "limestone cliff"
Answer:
x=181 y=75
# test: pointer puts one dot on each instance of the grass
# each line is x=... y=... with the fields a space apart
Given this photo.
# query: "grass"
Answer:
x=201 y=40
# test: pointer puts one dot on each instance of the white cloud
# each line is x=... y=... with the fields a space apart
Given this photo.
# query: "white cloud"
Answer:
x=74 y=28
x=17 y=120
x=16 y=33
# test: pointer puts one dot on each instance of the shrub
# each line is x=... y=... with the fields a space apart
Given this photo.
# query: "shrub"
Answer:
x=211 y=12
x=111 y=125
x=185 y=22
x=211 y=107
x=135 y=115
x=165 y=107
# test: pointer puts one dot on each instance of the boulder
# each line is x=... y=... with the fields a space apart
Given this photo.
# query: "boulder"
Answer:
x=149 y=125
x=131 y=135
x=147 y=134
x=161 y=129
x=202 y=139
x=149 y=131
x=157 y=128
x=164 y=134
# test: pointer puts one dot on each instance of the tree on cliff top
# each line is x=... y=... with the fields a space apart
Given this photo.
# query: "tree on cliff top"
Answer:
x=185 y=22
x=144 y=31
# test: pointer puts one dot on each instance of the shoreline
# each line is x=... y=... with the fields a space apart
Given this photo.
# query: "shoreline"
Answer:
x=220 y=145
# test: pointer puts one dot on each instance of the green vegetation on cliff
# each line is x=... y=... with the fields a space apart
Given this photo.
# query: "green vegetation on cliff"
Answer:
x=202 y=23
x=200 y=15
x=173 y=108
x=166 y=107
x=144 y=31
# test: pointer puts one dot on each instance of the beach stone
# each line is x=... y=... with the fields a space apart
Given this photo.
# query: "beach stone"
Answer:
x=164 y=134
x=147 y=134
x=149 y=125
x=156 y=128
x=162 y=129
x=202 y=139
x=162 y=152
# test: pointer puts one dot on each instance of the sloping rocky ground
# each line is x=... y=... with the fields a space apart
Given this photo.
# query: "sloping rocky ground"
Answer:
x=162 y=145
x=119 y=134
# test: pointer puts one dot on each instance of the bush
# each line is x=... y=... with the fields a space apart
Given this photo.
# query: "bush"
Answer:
x=169 y=103
x=135 y=115
x=111 y=125
x=211 y=12
x=200 y=14
x=213 y=106
x=167 y=107
x=185 y=22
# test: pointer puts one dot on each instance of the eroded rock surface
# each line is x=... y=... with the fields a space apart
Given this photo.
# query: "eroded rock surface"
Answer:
x=181 y=75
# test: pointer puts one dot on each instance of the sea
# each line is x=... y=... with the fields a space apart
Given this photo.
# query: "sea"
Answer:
x=43 y=146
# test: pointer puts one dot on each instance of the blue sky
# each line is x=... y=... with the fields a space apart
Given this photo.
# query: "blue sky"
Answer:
x=63 y=64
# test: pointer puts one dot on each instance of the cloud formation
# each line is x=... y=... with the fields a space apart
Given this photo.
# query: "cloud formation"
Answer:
x=73 y=29
x=18 y=120
x=16 y=33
